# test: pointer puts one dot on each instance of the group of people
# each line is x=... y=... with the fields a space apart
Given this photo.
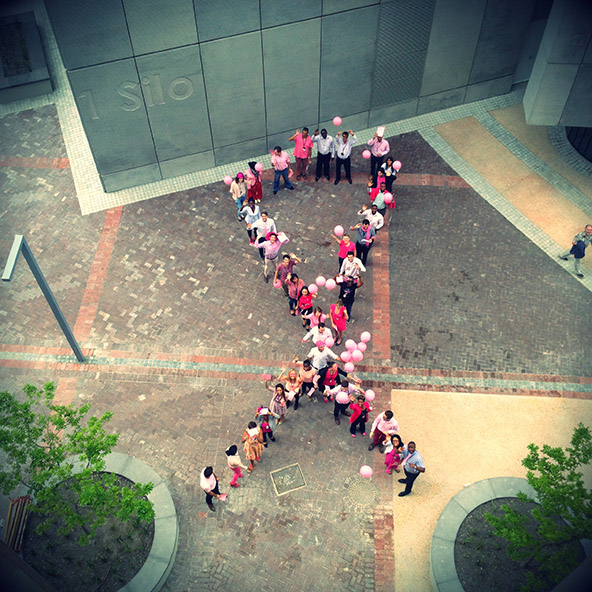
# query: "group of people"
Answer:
x=319 y=372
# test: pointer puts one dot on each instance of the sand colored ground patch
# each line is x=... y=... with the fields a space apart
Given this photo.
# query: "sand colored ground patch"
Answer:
x=547 y=207
x=465 y=438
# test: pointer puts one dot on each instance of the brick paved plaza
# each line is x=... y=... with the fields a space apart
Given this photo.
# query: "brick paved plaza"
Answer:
x=168 y=301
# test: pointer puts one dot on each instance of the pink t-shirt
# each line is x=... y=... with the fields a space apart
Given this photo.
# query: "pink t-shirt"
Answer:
x=280 y=162
x=303 y=147
x=345 y=249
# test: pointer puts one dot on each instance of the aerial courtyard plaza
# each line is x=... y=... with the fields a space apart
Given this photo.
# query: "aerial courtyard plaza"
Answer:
x=481 y=334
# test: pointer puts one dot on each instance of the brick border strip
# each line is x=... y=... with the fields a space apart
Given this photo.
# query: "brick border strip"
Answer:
x=157 y=567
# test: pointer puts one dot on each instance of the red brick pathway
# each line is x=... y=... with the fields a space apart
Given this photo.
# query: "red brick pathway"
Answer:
x=28 y=162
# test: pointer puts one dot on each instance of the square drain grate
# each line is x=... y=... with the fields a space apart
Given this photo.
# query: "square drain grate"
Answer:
x=287 y=479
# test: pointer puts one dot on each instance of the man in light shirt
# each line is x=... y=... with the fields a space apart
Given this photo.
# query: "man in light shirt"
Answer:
x=351 y=266
x=280 y=160
x=379 y=147
x=262 y=228
x=413 y=465
x=373 y=216
x=344 y=143
x=326 y=152
x=318 y=333
x=320 y=355
x=302 y=152
x=384 y=425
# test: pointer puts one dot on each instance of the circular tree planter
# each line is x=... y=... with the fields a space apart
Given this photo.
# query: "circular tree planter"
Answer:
x=161 y=557
x=442 y=563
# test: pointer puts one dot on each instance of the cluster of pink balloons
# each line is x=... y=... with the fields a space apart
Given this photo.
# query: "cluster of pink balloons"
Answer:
x=228 y=179
x=354 y=352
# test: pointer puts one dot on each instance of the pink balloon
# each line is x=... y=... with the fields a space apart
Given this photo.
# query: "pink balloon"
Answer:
x=366 y=154
x=228 y=179
x=349 y=367
x=266 y=377
x=338 y=230
x=342 y=397
x=346 y=356
x=366 y=471
x=259 y=167
x=388 y=198
x=290 y=174
x=366 y=336
x=357 y=355
x=313 y=288
x=362 y=346
x=277 y=284
x=320 y=281
x=337 y=120
x=329 y=342
x=397 y=165
x=370 y=395
x=330 y=285
x=350 y=344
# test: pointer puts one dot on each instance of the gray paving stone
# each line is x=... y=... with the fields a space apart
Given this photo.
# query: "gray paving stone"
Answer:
x=475 y=495
x=449 y=521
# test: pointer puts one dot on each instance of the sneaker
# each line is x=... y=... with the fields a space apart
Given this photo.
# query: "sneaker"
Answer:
x=403 y=494
x=349 y=181
x=353 y=435
x=402 y=480
x=265 y=279
x=563 y=258
x=580 y=275
x=275 y=192
x=335 y=182
x=337 y=421
x=363 y=433
x=317 y=178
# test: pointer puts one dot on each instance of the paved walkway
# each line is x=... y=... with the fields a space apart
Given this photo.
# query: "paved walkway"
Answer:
x=481 y=337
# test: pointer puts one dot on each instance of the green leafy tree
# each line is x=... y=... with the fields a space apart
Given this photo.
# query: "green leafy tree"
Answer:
x=563 y=513
x=40 y=439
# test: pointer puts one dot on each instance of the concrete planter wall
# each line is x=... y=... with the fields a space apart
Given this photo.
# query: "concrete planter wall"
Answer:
x=35 y=82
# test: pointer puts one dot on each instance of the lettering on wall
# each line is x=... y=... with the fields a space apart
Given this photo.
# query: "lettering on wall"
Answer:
x=149 y=92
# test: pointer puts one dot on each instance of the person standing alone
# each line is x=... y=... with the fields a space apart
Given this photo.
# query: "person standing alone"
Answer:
x=344 y=147
x=302 y=152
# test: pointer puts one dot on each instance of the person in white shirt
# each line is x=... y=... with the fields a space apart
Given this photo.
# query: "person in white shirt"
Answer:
x=351 y=266
x=373 y=216
x=320 y=355
x=344 y=143
x=325 y=152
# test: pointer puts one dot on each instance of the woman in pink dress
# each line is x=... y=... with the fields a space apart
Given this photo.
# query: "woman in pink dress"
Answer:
x=339 y=318
x=394 y=453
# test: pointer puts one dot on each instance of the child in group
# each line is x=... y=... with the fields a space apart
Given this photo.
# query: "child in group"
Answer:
x=234 y=464
x=360 y=410
x=253 y=444
x=395 y=451
x=265 y=417
x=305 y=306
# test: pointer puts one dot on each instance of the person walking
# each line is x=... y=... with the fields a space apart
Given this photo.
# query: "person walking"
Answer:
x=347 y=293
x=262 y=227
x=302 y=152
x=345 y=246
x=283 y=271
x=390 y=173
x=384 y=425
x=344 y=143
x=412 y=465
x=360 y=409
x=339 y=317
x=253 y=444
x=209 y=483
x=314 y=320
x=278 y=401
x=280 y=161
x=373 y=216
x=238 y=189
x=338 y=408
x=234 y=464
x=318 y=333
x=352 y=266
x=579 y=244
x=325 y=153
x=251 y=213
x=266 y=419
x=271 y=248
x=378 y=149
x=366 y=236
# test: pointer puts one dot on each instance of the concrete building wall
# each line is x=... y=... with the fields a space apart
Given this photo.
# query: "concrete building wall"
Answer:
x=166 y=87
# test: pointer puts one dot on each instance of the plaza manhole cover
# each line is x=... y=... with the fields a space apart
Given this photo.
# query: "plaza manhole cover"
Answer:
x=287 y=479
x=363 y=492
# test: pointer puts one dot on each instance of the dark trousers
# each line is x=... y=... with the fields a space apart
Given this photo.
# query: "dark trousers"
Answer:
x=348 y=303
x=362 y=252
x=375 y=164
x=359 y=423
x=261 y=239
x=209 y=498
x=266 y=435
x=307 y=386
x=339 y=408
x=343 y=162
x=409 y=480
x=296 y=399
x=323 y=161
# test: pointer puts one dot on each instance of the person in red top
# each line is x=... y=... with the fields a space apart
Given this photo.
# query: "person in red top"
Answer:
x=339 y=317
x=346 y=245
x=305 y=306
x=254 y=188
x=302 y=152
x=360 y=410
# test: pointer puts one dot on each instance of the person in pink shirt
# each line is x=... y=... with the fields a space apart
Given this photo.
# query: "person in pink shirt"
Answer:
x=378 y=150
x=302 y=152
x=280 y=161
x=271 y=247
x=384 y=425
x=345 y=246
